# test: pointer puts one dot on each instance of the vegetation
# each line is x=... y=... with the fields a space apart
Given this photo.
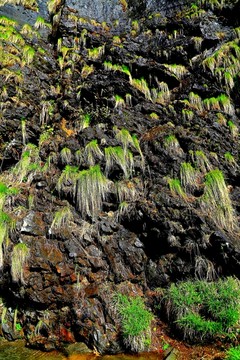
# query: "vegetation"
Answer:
x=178 y=70
x=202 y=310
x=135 y=322
x=28 y=163
x=19 y=257
x=216 y=200
x=92 y=152
x=61 y=218
x=66 y=156
x=91 y=188
x=68 y=175
x=200 y=160
x=6 y=224
x=172 y=145
x=233 y=353
x=176 y=188
x=117 y=155
x=188 y=176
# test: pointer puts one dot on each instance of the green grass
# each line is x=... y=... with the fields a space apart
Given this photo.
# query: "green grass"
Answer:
x=135 y=322
x=19 y=257
x=90 y=190
x=233 y=353
x=216 y=200
x=117 y=155
x=202 y=310
x=176 y=188
x=92 y=152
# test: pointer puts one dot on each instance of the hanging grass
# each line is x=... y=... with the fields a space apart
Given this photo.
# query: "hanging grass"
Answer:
x=19 y=257
x=91 y=188
x=216 y=200
x=123 y=158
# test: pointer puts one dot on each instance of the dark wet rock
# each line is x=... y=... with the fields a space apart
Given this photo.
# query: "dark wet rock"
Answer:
x=144 y=234
x=33 y=225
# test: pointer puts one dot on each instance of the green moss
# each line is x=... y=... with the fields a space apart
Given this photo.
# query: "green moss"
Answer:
x=142 y=85
x=119 y=102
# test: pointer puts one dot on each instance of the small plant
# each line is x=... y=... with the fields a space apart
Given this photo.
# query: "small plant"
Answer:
x=28 y=54
x=178 y=70
x=204 y=310
x=233 y=353
x=172 y=145
x=135 y=322
x=176 y=188
x=123 y=136
x=154 y=116
x=40 y=23
x=92 y=152
x=117 y=155
x=24 y=132
x=90 y=190
x=187 y=114
x=200 y=160
x=119 y=102
x=197 y=40
x=188 y=176
x=66 y=156
x=96 y=53
x=233 y=129
x=6 y=224
x=61 y=219
x=195 y=101
x=68 y=176
x=19 y=257
x=87 y=70
x=126 y=191
x=230 y=159
x=142 y=85
x=216 y=200
x=85 y=121
x=27 y=164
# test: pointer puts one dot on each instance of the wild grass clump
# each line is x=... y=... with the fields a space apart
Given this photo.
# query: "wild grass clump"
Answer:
x=201 y=310
x=117 y=155
x=19 y=257
x=61 y=218
x=28 y=163
x=176 y=188
x=90 y=190
x=92 y=152
x=171 y=144
x=6 y=225
x=189 y=176
x=135 y=322
x=216 y=200
x=233 y=353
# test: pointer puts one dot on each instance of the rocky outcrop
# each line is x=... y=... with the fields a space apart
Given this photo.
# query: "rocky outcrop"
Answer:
x=114 y=134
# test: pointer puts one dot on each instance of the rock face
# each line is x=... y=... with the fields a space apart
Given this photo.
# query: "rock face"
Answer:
x=119 y=160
